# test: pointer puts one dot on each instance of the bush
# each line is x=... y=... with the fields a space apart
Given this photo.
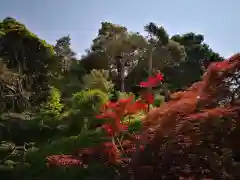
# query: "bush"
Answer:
x=85 y=106
x=97 y=79
x=89 y=102
x=51 y=110
x=36 y=158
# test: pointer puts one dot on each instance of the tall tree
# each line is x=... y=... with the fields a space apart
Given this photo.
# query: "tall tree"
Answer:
x=71 y=71
x=122 y=48
x=199 y=56
x=162 y=52
x=64 y=52
x=28 y=56
x=95 y=60
x=165 y=51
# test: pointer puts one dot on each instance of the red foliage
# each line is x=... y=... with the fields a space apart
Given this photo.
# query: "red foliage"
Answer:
x=115 y=111
x=108 y=129
x=111 y=151
x=194 y=134
x=148 y=97
x=63 y=160
x=152 y=81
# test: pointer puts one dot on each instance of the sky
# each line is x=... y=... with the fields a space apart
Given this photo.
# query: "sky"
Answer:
x=217 y=20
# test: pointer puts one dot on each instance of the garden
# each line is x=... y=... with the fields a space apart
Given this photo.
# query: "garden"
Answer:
x=106 y=117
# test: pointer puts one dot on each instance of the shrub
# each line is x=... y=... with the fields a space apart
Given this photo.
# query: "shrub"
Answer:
x=65 y=145
x=85 y=105
x=97 y=79
x=51 y=110
x=88 y=102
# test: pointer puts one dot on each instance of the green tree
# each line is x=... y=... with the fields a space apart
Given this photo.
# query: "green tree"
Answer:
x=64 y=52
x=29 y=57
x=162 y=52
x=199 y=56
x=95 y=60
x=97 y=79
x=121 y=47
x=70 y=69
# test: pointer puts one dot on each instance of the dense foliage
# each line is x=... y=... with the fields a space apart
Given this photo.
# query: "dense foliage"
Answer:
x=133 y=107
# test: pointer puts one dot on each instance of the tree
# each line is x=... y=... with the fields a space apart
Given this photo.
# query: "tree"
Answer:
x=12 y=96
x=95 y=60
x=165 y=51
x=162 y=52
x=122 y=48
x=28 y=56
x=64 y=52
x=199 y=56
x=70 y=70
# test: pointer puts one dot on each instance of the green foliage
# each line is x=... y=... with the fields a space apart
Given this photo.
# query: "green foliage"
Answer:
x=62 y=47
x=51 y=110
x=65 y=145
x=135 y=126
x=158 y=100
x=86 y=105
x=96 y=60
x=159 y=32
x=88 y=102
x=199 y=55
x=122 y=48
x=162 y=51
x=123 y=95
x=97 y=79
x=64 y=53
x=30 y=60
x=70 y=81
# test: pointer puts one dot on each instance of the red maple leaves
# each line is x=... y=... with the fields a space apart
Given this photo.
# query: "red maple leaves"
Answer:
x=116 y=111
x=62 y=160
x=221 y=65
x=152 y=81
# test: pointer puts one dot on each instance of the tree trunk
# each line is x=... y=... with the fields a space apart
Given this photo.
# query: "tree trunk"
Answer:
x=150 y=65
x=120 y=69
x=166 y=93
x=122 y=80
